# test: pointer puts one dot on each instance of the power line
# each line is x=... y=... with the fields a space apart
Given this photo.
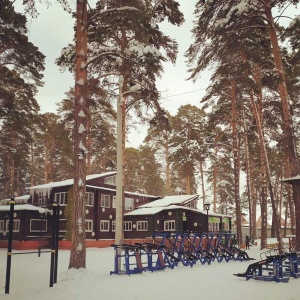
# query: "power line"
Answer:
x=183 y=93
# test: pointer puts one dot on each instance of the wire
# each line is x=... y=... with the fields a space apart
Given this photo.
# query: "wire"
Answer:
x=183 y=93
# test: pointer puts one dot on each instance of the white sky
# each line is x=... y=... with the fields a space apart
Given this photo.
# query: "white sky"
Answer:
x=30 y=280
x=53 y=29
x=51 y=36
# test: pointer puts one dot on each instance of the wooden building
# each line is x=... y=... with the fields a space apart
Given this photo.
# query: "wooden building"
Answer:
x=143 y=214
x=176 y=213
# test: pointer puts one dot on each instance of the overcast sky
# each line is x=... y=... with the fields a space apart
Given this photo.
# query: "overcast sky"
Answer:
x=53 y=29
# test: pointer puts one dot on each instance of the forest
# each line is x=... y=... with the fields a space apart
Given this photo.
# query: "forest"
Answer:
x=234 y=147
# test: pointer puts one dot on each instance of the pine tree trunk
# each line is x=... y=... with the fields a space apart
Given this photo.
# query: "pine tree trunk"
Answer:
x=236 y=163
x=202 y=184
x=254 y=203
x=265 y=173
x=188 y=183
x=289 y=198
x=289 y=139
x=78 y=251
x=215 y=179
x=248 y=174
x=167 y=173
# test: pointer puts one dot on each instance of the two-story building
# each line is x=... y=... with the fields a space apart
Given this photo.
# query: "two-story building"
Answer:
x=143 y=214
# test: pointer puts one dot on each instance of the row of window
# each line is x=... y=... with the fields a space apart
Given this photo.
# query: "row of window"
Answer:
x=4 y=225
x=37 y=225
x=105 y=202
x=61 y=199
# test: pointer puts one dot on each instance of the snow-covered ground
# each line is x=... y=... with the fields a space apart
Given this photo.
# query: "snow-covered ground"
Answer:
x=30 y=280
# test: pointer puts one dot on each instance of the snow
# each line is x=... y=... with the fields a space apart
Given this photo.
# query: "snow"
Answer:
x=81 y=128
x=168 y=200
x=24 y=207
x=46 y=188
x=214 y=282
x=135 y=88
x=80 y=81
x=81 y=113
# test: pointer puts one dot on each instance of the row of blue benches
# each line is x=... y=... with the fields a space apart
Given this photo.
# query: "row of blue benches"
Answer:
x=167 y=250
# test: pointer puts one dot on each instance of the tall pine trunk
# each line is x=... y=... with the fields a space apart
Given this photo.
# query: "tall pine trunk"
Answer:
x=236 y=161
x=78 y=251
x=266 y=176
x=202 y=184
x=289 y=139
x=168 y=166
x=248 y=174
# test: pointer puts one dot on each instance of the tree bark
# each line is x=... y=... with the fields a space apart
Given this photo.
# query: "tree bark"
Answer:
x=78 y=251
x=236 y=162
x=248 y=174
x=289 y=139
x=202 y=183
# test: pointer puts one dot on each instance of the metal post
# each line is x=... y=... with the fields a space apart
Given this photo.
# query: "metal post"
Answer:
x=207 y=220
x=119 y=190
x=207 y=207
x=53 y=245
x=40 y=240
x=56 y=242
x=9 y=246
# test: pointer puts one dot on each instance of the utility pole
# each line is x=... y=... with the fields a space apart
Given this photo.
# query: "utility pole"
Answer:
x=119 y=191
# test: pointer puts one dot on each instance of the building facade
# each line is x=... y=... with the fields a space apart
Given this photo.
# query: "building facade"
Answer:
x=143 y=214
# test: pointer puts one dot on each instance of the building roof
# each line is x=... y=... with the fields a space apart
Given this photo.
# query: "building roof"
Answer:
x=46 y=188
x=25 y=207
x=18 y=200
x=171 y=200
x=291 y=180
x=154 y=210
x=129 y=193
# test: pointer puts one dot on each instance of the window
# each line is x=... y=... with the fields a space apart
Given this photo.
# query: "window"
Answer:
x=110 y=180
x=191 y=204
x=127 y=225
x=1 y=225
x=42 y=199
x=38 y=225
x=88 y=225
x=61 y=198
x=226 y=226
x=169 y=225
x=216 y=226
x=16 y=225
x=62 y=225
x=89 y=199
x=105 y=199
x=114 y=202
x=113 y=226
x=129 y=203
x=104 y=225
x=142 y=225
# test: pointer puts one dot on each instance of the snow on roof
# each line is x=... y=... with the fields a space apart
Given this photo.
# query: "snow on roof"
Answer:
x=24 y=197
x=25 y=207
x=290 y=180
x=18 y=200
x=153 y=210
x=130 y=193
x=46 y=188
x=170 y=200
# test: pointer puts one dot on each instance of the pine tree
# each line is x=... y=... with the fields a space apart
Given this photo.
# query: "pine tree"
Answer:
x=20 y=74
